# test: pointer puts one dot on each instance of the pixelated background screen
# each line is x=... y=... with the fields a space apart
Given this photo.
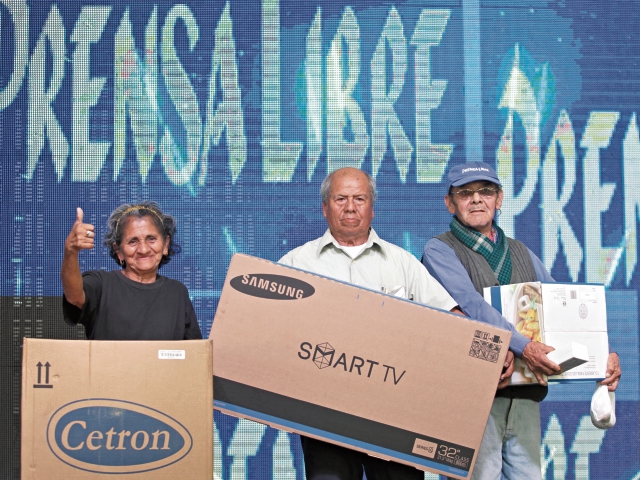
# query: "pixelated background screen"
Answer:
x=230 y=113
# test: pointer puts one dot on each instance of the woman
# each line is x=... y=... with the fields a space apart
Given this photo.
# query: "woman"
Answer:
x=134 y=303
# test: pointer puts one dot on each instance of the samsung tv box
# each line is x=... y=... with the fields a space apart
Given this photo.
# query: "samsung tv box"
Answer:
x=104 y=409
x=354 y=367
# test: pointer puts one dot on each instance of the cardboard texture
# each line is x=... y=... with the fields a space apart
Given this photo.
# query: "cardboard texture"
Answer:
x=103 y=409
x=557 y=314
x=358 y=368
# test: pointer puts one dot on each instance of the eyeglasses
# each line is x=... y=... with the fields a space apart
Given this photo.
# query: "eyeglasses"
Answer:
x=485 y=192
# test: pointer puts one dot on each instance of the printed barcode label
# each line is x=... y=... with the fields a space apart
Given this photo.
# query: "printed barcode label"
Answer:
x=172 y=354
x=573 y=294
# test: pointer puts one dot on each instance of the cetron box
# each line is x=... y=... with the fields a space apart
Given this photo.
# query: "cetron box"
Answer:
x=106 y=409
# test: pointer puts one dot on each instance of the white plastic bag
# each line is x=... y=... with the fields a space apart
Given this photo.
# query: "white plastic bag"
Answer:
x=603 y=408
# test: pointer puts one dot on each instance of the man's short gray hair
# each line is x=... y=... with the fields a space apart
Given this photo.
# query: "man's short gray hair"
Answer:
x=325 y=188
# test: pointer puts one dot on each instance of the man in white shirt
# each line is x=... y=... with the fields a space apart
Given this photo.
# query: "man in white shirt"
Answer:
x=351 y=251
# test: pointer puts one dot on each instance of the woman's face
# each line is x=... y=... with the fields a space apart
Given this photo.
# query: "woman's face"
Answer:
x=142 y=247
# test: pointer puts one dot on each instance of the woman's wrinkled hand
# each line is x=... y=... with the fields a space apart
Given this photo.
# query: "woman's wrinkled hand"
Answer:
x=82 y=235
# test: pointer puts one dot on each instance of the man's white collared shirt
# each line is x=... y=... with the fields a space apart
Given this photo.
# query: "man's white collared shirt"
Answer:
x=382 y=266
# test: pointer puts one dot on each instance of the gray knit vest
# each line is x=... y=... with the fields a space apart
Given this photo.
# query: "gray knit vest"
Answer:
x=482 y=276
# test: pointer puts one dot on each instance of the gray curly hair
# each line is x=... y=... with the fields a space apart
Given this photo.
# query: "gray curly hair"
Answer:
x=325 y=188
x=165 y=224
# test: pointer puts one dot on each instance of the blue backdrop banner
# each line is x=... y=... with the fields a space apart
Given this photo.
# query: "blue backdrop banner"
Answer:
x=230 y=113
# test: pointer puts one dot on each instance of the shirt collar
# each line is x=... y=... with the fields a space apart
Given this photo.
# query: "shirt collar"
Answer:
x=495 y=236
x=372 y=242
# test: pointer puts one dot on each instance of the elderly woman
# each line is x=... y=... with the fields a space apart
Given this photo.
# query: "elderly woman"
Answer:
x=134 y=303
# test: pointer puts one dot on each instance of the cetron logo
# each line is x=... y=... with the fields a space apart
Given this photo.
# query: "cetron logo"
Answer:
x=110 y=436
x=275 y=287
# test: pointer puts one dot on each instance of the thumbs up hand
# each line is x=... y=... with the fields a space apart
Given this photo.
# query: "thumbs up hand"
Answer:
x=82 y=235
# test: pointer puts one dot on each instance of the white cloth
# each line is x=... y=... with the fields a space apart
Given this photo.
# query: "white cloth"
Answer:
x=354 y=251
x=381 y=266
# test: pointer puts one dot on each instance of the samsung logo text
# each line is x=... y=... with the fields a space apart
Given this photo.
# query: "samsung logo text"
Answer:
x=275 y=287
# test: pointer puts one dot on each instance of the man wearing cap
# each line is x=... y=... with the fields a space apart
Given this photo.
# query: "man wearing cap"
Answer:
x=351 y=251
x=475 y=254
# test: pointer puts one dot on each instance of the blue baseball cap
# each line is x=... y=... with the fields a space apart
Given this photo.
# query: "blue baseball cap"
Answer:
x=471 y=172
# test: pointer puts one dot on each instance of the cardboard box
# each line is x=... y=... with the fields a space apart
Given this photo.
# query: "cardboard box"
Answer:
x=97 y=409
x=354 y=367
x=557 y=314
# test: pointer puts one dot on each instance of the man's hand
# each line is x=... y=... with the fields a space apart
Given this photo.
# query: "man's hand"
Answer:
x=507 y=370
x=535 y=356
x=614 y=372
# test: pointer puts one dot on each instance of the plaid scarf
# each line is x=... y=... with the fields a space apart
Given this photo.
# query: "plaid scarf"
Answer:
x=497 y=255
